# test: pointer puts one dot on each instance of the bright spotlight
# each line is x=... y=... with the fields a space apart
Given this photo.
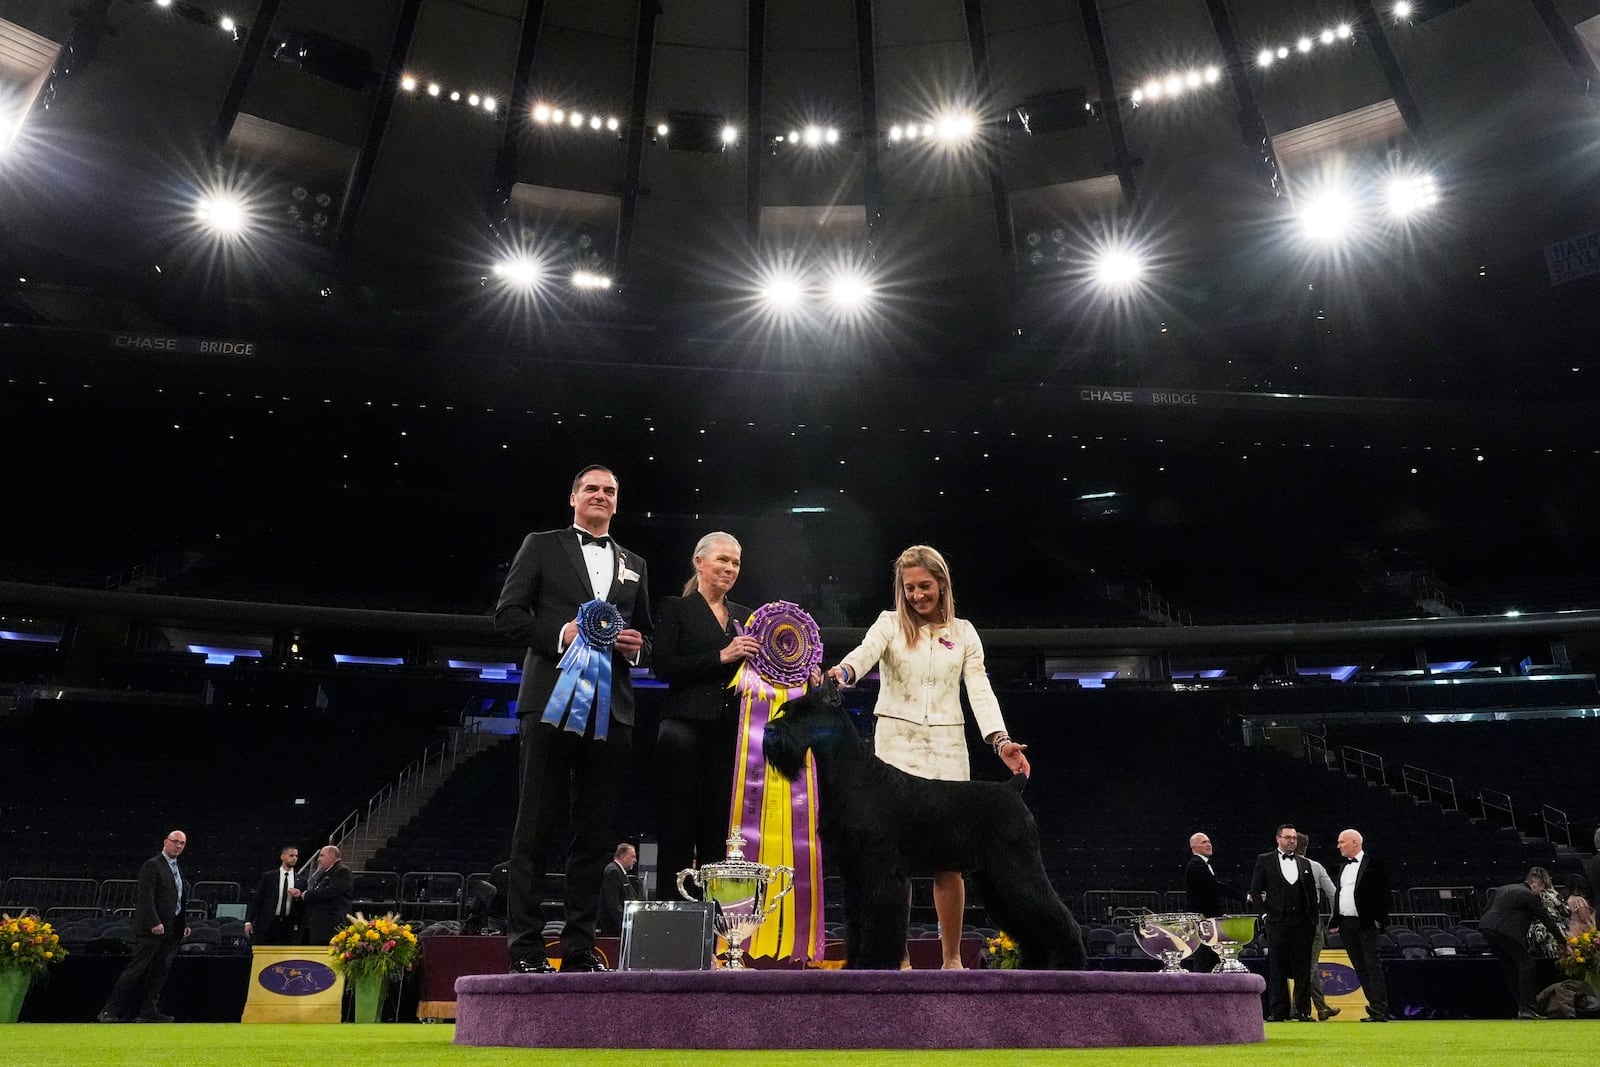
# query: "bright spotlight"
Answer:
x=489 y=103
x=1192 y=79
x=408 y=83
x=584 y=279
x=1137 y=96
x=896 y=133
x=1264 y=58
x=813 y=136
x=523 y=272
x=557 y=116
x=163 y=3
x=1152 y=89
x=832 y=136
x=595 y=122
x=1410 y=195
x=1303 y=44
x=1174 y=85
x=223 y=214
x=1327 y=37
x=455 y=97
x=227 y=24
x=1328 y=216
x=1117 y=268
x=1283 y=51
x=575 y=119
x=612 y=124
x=661 y=130
x=541 y=113
x=473 y=99
x=1402 y=10
x=433 y=88
x=782 y=293
x=957 y=127
x=1342 y=31
x=730 y=135
x=849 y=292
x=1212 y=74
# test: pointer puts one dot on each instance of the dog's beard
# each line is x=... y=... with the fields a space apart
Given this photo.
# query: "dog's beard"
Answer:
x=784 y=753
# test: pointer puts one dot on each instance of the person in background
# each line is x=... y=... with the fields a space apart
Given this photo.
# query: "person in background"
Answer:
x=276 y=907
x=328 y=896
x=1361 y=905
x=615 y=888
x=158 y=930
x=1202 y=891
x=1325 y=895
x=1284 y=888
x=1514 y=909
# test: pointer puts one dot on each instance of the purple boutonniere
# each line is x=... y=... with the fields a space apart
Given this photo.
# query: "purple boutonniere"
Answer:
x=946 y=642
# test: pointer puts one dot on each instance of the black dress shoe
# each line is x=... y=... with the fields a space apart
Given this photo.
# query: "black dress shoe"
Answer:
x=1277 y=1018
x=108 y=1017
x=1324 y=1016
x=154 y=1017
x=583 y=962
x=1530 y=1014
x=1375 y=1018
x=532 y=965
x=1304 y=1019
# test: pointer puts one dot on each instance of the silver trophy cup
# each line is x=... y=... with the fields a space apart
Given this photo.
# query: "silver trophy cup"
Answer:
x=1170 y=938
x=1226 y=935
x=743 y=891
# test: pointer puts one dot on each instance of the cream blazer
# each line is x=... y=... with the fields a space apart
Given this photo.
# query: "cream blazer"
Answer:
x=923 y=684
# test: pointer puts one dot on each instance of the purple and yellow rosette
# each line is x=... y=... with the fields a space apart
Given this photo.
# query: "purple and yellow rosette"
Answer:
x=584 y=686
x=782 y=819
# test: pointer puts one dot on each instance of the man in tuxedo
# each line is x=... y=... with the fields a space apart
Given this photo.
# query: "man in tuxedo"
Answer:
x=554 y=574
x=276 y=909
x=1203 y=895
x=1360 y=913
x=615 y=888
x=329 y=895
x=158 y=930
x=1505 y=923
x=1326 y=891
x=1284 y=887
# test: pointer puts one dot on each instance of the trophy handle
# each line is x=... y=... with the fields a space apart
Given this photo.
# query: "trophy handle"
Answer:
x=686 y=875
x=774 y=899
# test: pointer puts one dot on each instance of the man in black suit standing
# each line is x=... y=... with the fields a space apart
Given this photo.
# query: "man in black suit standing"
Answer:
x=1203 y=894
x=615 y=888
x=158 y=908
x=554 y=574
x=1284 y=886
x=329 y=895
x=276 y=907
x=1360 y=913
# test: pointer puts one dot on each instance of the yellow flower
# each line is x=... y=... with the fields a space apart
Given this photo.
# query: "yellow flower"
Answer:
x=49 y=955
x=15 y=945
x=372 y=935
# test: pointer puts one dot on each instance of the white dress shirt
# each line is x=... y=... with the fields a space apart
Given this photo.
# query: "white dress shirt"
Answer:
x=1289 y=868
x=1347 y=886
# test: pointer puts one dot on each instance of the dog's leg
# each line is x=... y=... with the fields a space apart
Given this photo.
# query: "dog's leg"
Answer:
x=882 y=939
x=1024 y=904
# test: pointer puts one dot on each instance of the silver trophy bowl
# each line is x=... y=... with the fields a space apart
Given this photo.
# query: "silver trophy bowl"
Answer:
x=1170 y=938
x=1226 y=935
x=745 y=893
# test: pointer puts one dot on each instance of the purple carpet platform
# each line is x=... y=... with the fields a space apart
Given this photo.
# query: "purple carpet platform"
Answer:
x=818 y=1009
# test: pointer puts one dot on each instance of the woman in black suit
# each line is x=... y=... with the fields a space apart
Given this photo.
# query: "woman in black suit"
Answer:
x=699 y=644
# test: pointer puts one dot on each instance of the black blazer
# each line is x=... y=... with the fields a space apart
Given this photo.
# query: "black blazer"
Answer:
x=1372 y=896
x=155 y=899
x=687 y=656
x=546 y=585
x=264 y=901
x=1202 y=888
x=1513 y=910
x=329 y=897
x=1591 y=875
x=615 y=887
x=1267 y=884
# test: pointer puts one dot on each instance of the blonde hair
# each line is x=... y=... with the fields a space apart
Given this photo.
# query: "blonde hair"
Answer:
x=701 y=547
x=927 y=557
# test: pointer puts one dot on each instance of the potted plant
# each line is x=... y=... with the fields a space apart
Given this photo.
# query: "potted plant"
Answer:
x=28 y=946
x=368 y=951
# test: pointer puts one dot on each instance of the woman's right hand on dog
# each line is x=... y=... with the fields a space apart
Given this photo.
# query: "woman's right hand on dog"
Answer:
x=838 y=675
x=739 y=648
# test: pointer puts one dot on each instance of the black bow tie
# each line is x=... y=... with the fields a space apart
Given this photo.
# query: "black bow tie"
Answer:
x=1286 y=856
x=604 y=540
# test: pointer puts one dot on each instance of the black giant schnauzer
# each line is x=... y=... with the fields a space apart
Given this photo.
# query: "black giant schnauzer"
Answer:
x=881 y=825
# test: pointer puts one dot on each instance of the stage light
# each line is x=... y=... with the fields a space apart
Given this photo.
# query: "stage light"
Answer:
x=595 y=122
x=957 y=126
x=1174 y=85
x=1283 y=51
x=541 y=113
x=1303 y=44
x=455 y=97
x=584 y=279
x=433 y=88
x=489 y=104
x=1402 y=10
x=1327 y=216
x=1410 y=195
x=227 y=24
x=576 y=119
x=223 y=214
x=612 y=124
x=896 y=133
x=1192 y=79
x=1117 y=268
x=1152 y=89
x=813 y=136
x=849 y=292
x=1137 y=96
x=1264 y=58
x=523 y=272
x=1212 y=74
x=408 y=83
x=730 y=135
x=782 y=293
x=1327 y=37
x=661 y=130
x=163 y=3
x=832 y=136
x=473 y=100
x=1342 y=31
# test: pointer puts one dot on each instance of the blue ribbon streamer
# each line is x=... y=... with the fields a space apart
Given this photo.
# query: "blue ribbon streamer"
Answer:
x=584 y=685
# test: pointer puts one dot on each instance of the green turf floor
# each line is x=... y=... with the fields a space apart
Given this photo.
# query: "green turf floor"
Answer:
x=1418 y=1044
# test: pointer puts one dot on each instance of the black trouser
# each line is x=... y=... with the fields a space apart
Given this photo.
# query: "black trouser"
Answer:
x=1289 y=958
x=1517 y=963
x=563 y=774
x=278 y=930
x=146 y=973
x=1361 y=944
x=694 y=796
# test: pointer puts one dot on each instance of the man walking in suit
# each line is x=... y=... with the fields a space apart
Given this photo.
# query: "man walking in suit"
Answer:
x=329 y=895
x=276 y=907
x=615 y=888
x=1360 y=913
x=1203 y=895
x=1284 y=887
x=1325 y=894
x=1505 y=924
x=563 y=768
x=158 y=908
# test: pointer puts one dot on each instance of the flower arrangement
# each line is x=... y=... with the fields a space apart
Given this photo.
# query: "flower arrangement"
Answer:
x=28 y=945
x=373 y=947
x=1002 y=952
x=1583 y=960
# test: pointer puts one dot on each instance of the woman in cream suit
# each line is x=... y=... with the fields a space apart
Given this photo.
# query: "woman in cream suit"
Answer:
x=923 y=653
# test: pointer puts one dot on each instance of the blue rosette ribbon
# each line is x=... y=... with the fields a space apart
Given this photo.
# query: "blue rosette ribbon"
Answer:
x=584 y=687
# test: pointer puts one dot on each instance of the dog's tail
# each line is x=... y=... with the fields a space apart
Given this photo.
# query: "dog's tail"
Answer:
x=1019 y=782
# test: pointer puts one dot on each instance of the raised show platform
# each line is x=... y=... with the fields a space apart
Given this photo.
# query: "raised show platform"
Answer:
x=817 y=1009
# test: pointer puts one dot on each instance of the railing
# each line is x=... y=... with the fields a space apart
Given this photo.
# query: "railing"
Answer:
x=1557 y=828
x=1498 y=803
x=1318 y=750
x=422 y=773
x=1457 y=901
x=1368 y=766
x=1429 y=787
x=1102 y=905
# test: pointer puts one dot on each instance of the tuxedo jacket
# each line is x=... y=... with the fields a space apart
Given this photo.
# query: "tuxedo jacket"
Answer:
x=1513 y=910
x=156 y=897
x=263 y=906
x=329 y=896
x=1267 y=883
x=686 y=654
x=546 y=585
x=1202 y=888
x=615 y=888
x=1372 y=896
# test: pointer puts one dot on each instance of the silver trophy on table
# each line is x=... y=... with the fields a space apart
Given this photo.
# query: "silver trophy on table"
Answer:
x=743 y=891
x=1226 y=935
x=1170 y=938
